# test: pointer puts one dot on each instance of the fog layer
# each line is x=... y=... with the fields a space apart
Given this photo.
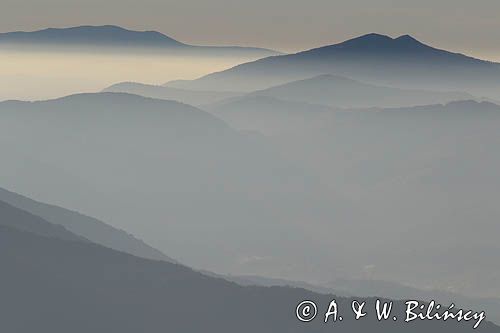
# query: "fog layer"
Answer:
x=28 y=75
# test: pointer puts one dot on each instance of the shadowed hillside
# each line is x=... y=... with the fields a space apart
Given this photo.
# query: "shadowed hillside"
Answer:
x=173 y=175
x=410 y=170
x=82 y=287
x=12 y=217
x=84 y=226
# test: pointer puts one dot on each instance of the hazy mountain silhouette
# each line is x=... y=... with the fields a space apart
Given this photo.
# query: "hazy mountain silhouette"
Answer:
x=91 y=35
x=393 y=290
x=260 y=281
x=51 y=285
x=169 y=173
x=20 y=216
x=410 y=170
x=347 y=93
x=13 y=217
x=400 y=62
x=324 y=89
x=182 y=180
x=268 y=115
x=108 y=36
x=374 y=288
x=84 y=226
x=192 y=97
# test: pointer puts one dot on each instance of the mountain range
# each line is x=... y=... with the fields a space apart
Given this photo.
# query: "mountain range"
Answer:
x=402 y=62
x=343 y=92
x=327 y=89
x=85 y=227
x=124 y=157
x=109 y=36
x=409 y=170
x=159 y=159
x=192 y=97
x=14 y=219
x=269 y=115
x=53 y=281
x=367 y=169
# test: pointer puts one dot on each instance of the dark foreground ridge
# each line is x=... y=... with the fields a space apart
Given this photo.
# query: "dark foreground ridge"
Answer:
x=52 y=284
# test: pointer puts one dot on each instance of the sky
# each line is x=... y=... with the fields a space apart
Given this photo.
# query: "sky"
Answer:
x=465 y=26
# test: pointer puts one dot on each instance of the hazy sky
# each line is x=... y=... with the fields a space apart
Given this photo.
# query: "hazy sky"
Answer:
x=461 y=25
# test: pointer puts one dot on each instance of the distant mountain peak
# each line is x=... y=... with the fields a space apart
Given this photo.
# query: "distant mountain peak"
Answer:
x=407 y=38
x=375 y=41
x=112 y=36
x=371 y=37
x=373 y=58
x=89 y=27
x=89 y=34
x=108 y=28
x=368 y=39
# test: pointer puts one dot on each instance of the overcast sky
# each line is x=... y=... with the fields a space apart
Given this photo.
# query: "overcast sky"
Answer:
x=461 y=25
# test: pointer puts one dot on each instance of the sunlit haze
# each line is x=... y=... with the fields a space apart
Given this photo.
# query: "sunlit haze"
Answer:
x=42 y=75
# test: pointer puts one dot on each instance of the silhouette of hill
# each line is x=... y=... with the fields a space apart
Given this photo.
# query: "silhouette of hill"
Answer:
x=260 y=281
x=107 y=103
x=121 y=158
x=268 y=115
x=400 y=62
x=192 y=97
x=375 y=288
x=325 y=89
x=393 y=290
x=51 y=285
x=98 y=35
x=409 y=170
x=108 y=36
x=346 y=93
x=13 y=217
x=84 y=226
x=22 y=220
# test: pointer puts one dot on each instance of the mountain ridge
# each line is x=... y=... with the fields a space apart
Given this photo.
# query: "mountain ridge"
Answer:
x=195 y=98
x=114 y=36
x=90 y=34
x=13 y=217
x=340 y=91
x=113 y=291
x=83 y=226
x=402 y=62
